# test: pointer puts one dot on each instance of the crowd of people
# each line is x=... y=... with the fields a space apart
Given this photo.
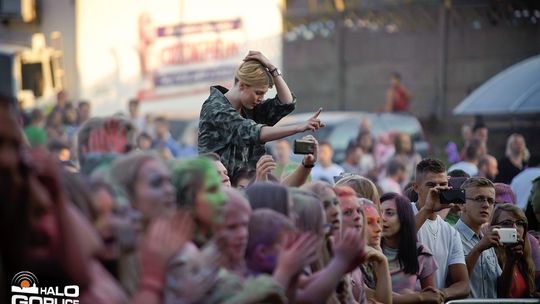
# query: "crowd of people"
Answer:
x=115 y=206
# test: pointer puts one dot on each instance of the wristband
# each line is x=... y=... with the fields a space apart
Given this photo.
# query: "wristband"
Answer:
x=275 y=72
x=307 y=166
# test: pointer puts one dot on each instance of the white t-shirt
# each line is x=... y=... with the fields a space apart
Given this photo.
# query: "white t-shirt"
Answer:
x=326 y=174
x=445 y=245
x=522 y=185
x=470 y=168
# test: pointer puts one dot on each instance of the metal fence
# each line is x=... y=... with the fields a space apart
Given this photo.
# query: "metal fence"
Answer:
x=494 y=301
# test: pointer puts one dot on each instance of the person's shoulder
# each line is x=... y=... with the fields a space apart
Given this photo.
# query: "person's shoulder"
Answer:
x=215 y=104
x=520 y=178
x=217 y=96
x=337 y=167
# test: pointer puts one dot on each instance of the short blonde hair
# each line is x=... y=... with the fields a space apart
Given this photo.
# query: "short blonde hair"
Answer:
x=363 y=187
x=477 y=182
x=254 y=74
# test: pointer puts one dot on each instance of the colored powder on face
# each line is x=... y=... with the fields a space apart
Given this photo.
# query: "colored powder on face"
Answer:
x=372 y=215
x=190 y=173
x=213 y=194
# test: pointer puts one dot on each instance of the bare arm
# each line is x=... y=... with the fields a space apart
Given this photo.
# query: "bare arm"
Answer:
x=428 y=281
x=325 y=283
x=301 y=174
x=490 y=239
x=383 y=290
x=297 y=178
x=460 y=282
x=273 y=133
x=348 y=254
x=283 y=91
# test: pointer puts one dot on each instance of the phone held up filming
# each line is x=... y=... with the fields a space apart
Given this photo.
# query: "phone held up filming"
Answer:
x=507 y=235
x=303 y=147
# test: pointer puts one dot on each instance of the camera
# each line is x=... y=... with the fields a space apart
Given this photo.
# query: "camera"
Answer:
x=455 y=196
x=303 y=146
x=507 y=235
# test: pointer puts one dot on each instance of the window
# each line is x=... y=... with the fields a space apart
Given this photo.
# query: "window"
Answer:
x=32 y=78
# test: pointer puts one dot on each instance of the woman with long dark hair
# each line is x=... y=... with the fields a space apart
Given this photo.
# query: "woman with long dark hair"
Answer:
x=406 y=264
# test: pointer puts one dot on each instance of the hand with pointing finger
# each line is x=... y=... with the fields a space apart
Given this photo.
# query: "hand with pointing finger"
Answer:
x=313 y=123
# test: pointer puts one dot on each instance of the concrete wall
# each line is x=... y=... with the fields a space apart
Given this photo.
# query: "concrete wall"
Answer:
x=474 y=54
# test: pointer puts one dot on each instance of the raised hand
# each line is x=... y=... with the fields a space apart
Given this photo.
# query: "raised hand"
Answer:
x=256 y=55
x=490 y=239
x=164 y=239
x=433 y=201
x=374 y=255
x=297 y=252
x=311 y=159
x=313 y=123
x=110 y=137
x=265 y=165
x=350 y=248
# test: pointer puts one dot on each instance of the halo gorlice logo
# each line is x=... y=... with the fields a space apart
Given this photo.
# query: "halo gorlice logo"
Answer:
x=25 y=290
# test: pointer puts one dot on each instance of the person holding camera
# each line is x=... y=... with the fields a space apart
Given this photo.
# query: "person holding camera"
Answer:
x=514 y=257
x=236 y=123
x=479 y=246
x=444 y=242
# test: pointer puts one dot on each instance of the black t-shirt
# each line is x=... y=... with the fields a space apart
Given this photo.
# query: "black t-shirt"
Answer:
x=507 y=171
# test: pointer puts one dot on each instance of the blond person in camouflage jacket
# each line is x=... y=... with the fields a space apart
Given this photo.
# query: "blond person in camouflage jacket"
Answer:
x=236 y=123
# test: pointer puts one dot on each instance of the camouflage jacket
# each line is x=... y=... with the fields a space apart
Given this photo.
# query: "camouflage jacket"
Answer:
x=235 y=136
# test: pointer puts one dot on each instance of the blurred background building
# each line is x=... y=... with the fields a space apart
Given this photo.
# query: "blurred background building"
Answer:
x=165 y=53
x=339 y=54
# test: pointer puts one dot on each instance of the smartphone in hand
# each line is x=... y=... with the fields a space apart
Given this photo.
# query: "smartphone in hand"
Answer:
x=452 y=196
x=303 y=147
x=507 y=235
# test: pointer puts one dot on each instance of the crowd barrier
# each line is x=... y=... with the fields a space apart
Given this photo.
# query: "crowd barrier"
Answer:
x=494 y=301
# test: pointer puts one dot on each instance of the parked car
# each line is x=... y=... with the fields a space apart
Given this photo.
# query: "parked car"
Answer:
x=342 y=127
x=183 y=127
